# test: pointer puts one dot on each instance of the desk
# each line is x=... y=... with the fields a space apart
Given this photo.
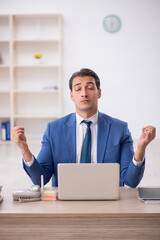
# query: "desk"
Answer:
x=127 y=218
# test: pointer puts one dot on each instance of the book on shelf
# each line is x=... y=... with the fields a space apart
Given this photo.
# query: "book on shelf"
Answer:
x=1 y=198
x=5 y=131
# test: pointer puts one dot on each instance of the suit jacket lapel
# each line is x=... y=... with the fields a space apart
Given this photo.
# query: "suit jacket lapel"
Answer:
x=70 y=137
x=102 y=137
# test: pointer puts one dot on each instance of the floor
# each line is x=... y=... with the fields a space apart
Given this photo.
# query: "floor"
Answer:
x=13 y=175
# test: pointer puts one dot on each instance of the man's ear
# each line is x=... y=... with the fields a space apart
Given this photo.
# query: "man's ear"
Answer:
x=71 y=95
x=99 y=93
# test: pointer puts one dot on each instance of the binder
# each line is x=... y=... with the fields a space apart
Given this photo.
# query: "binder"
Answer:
x=1 y=198
x=5 y=128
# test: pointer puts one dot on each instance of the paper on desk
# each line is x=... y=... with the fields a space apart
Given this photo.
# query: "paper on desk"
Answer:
x=152 y=201
x=49 y=195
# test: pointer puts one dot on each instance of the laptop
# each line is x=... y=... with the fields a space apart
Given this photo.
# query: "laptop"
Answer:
x=149 y=193
x=88 y=181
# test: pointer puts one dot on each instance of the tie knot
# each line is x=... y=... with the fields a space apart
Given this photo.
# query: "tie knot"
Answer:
x=87 y=123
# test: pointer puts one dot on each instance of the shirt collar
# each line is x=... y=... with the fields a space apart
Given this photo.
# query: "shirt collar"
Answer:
x=93 y=119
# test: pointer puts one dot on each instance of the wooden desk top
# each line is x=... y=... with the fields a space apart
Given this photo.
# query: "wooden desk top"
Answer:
x=128 y=206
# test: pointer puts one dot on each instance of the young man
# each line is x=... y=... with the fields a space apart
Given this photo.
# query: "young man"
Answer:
x=110 y=139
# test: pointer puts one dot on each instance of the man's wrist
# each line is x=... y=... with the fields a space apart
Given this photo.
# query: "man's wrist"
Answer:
x=29 y=164
x=139 y=154
x=27 y=155
x=136 y=163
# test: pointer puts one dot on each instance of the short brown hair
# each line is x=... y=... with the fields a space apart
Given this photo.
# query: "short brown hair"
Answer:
x=83 y=73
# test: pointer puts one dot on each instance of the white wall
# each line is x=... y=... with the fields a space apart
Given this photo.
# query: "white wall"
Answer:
x=127 y=62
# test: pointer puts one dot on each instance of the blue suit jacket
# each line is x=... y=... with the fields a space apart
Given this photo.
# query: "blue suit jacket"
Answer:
x=114 y=145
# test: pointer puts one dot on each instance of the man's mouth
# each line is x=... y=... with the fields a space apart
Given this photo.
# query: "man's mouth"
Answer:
x=84 y=101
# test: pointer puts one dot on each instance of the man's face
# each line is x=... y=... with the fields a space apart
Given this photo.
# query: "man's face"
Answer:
x=85 y=95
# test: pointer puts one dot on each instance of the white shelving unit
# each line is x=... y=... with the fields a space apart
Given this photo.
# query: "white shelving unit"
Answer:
x=30 y=93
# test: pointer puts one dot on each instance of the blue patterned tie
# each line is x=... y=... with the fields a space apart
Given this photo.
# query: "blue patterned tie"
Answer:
x=86 y=148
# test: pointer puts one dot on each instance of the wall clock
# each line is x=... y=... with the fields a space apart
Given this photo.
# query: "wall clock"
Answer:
x=112 y=23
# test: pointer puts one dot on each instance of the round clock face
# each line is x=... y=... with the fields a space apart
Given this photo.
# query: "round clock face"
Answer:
x=111 y=23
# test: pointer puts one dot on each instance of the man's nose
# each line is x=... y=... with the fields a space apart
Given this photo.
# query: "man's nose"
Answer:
x=83 y=92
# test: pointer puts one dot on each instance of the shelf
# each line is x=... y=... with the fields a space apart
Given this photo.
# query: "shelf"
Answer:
x=37 y=104
x=25 y=116
x=37 y=26
x=36 y=91
x=36 y=66
x=30 y=92
x=4 y=53
x=4 y=28
x=4 y=115
x=36 y=16
x=4 y=91
x=43 y=78
x=36 y=41
x=6 y=142
x=4 y=66
x=4 y=41
x=34 y=126
x=25 y=53
x=4 y=79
